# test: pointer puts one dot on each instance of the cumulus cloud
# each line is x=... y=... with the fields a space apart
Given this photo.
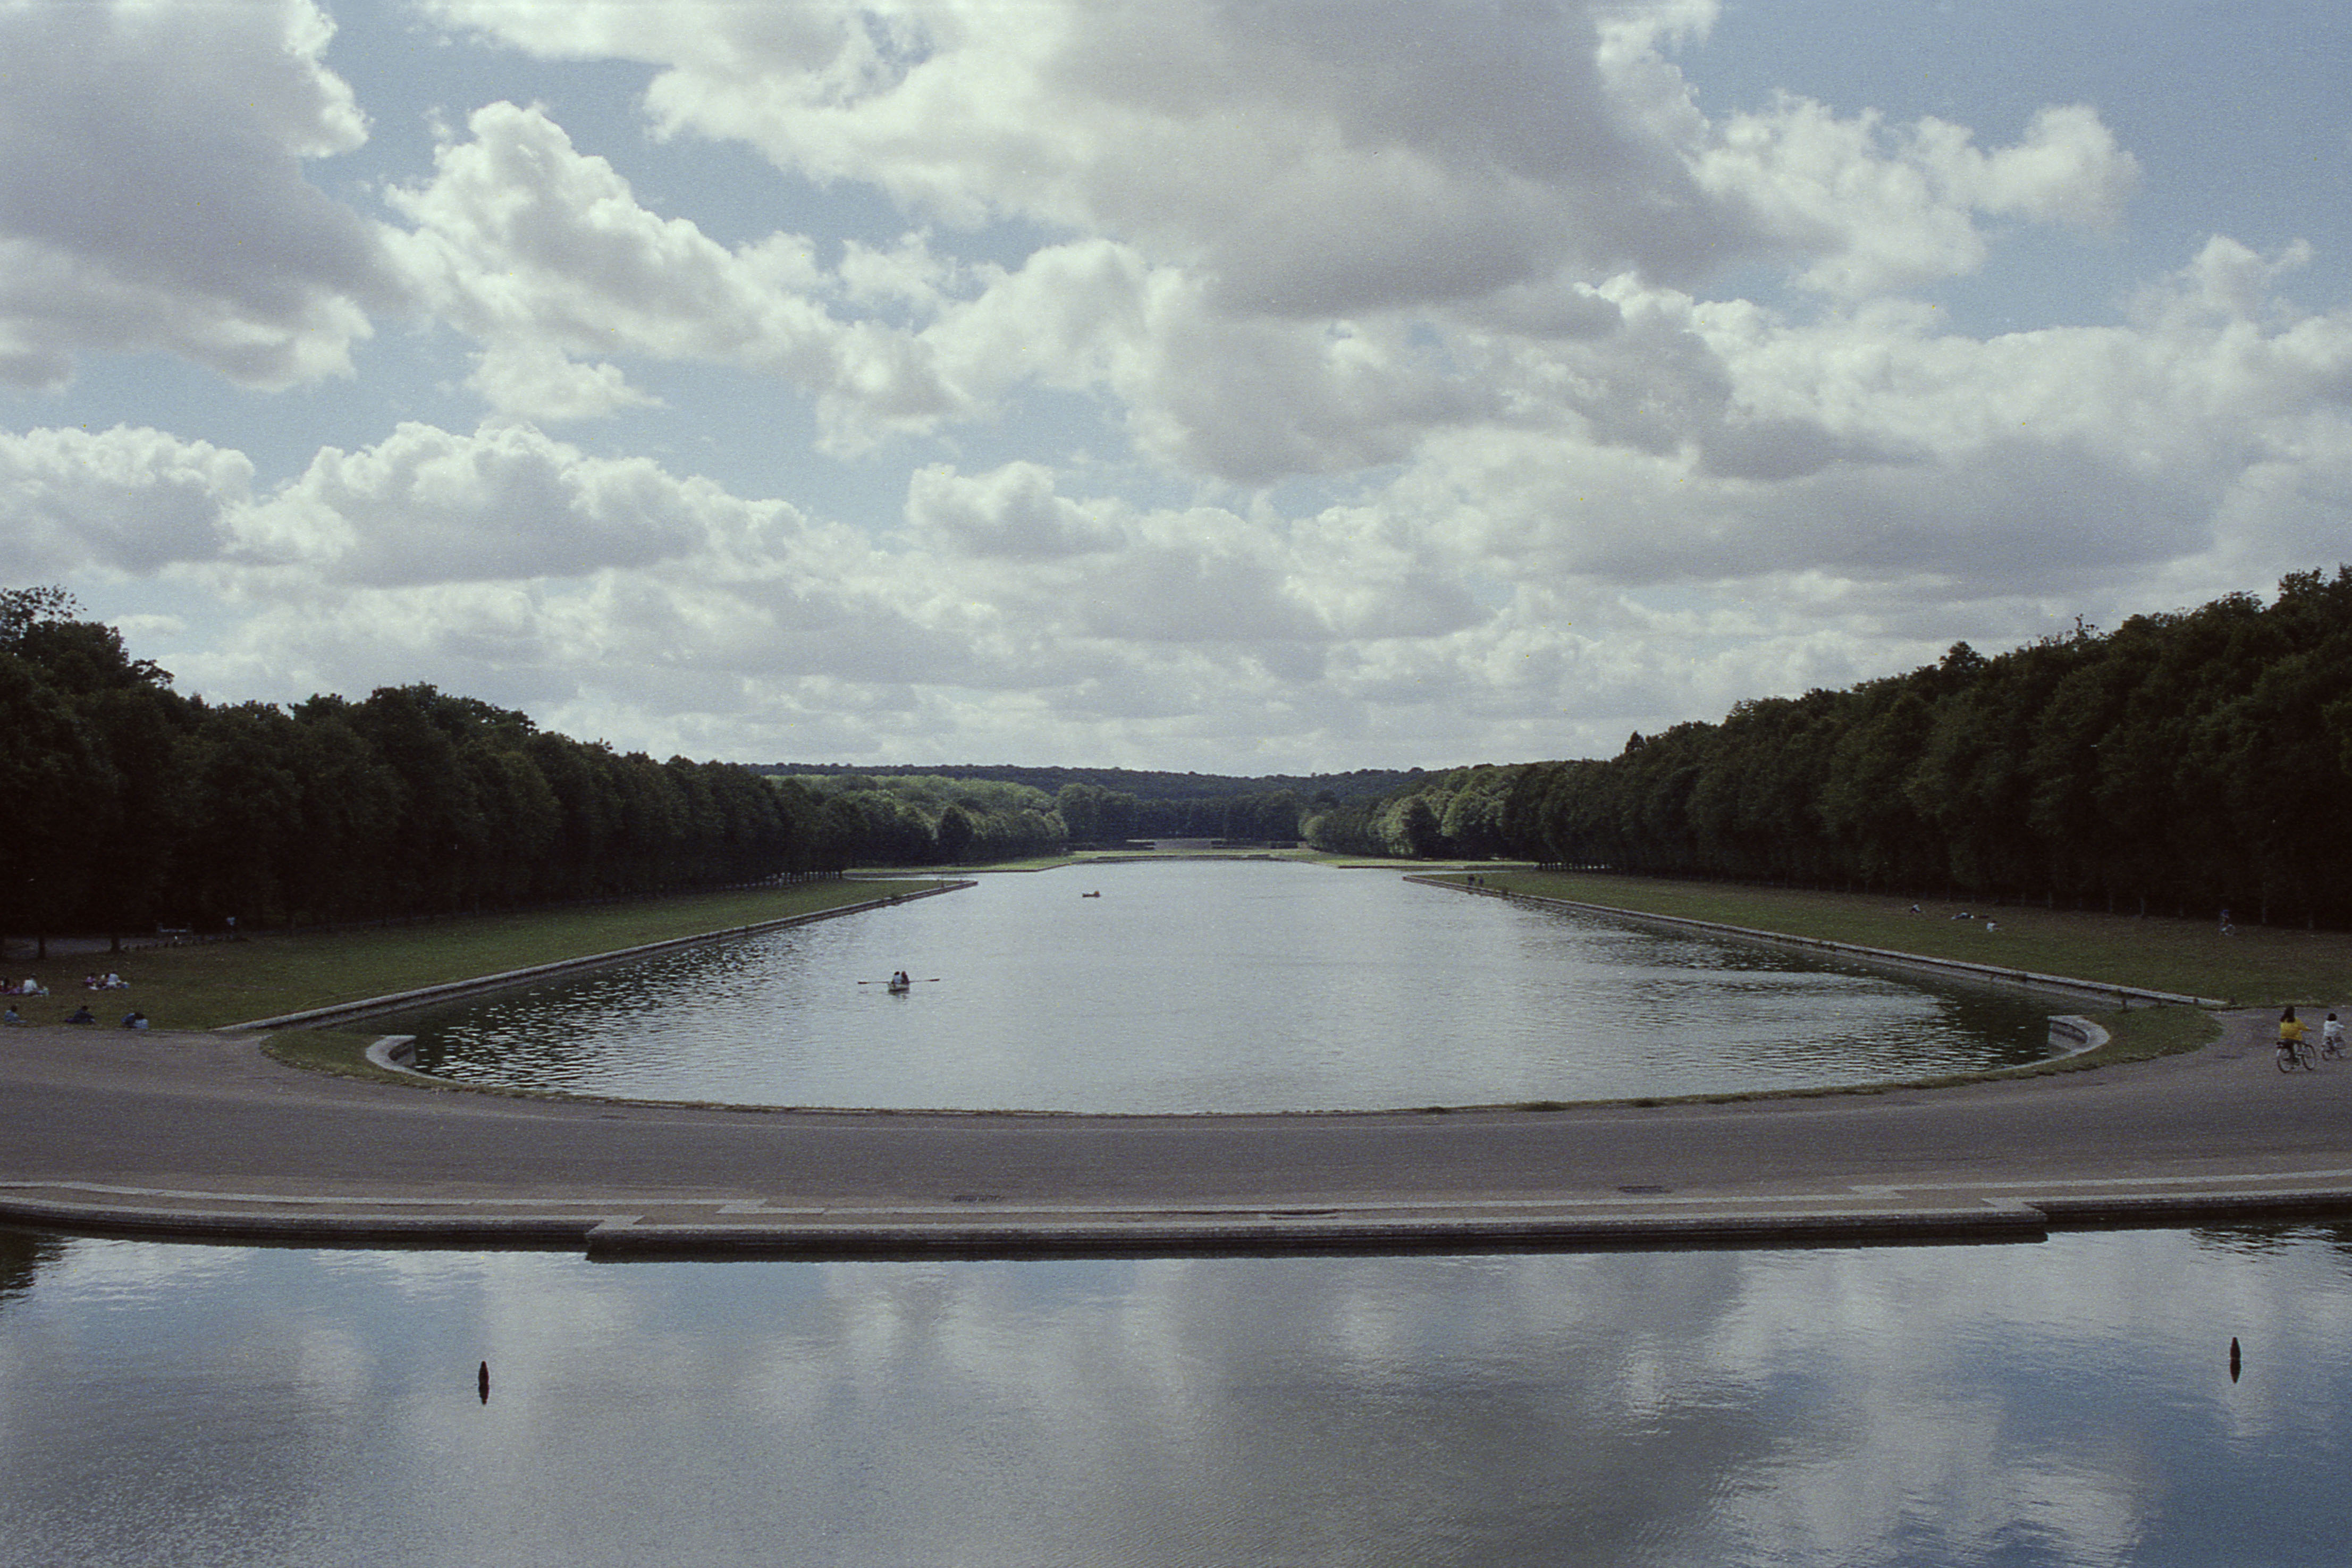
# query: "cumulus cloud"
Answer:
x=127 y=501
x=1353 y=373
x=1334 y=158
x=427 y=506
x=153 y=195
x=1012 y=511
x=1877 y=448
x=1535 y=581
x=1881 y=208
x=1299 y=238
x=544 y=254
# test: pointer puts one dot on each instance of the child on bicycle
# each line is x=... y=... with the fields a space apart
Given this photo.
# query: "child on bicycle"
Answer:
x=2331 y=1036
x=2291 y=1030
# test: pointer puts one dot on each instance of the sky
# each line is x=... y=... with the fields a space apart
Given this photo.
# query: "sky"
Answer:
x=1245 y=386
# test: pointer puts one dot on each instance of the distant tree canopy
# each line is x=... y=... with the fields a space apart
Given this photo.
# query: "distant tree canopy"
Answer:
x=2189 y=761
x=916 y=819
x=128 y=805
x=1144 y=785
x=908 y=823
x=1455 y=814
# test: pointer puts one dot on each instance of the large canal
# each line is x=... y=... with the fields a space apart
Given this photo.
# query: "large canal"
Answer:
x=2066 y=1404
x=2074 y=1403
x=1224 y=987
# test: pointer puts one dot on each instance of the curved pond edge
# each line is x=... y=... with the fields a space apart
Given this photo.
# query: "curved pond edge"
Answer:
x=348 y=1012
x=2072 y=1037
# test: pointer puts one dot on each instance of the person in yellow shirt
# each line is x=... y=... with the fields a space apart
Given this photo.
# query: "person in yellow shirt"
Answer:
x=2290 y=1031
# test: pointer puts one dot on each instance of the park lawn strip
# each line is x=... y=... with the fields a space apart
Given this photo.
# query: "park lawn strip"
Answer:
x=217 y=983
x=2260 y=966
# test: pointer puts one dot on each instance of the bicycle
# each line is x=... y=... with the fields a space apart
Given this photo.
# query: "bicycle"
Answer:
x=2293 y=1054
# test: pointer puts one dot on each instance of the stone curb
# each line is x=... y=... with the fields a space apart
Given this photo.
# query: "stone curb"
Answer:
x=608 y=1231
x=342 y=1012
x=1884 y=954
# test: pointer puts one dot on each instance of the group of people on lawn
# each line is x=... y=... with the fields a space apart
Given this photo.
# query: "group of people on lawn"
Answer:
x=134 y=1019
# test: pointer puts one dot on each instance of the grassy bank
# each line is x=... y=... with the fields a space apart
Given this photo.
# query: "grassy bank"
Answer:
x=2260 y=966
x=2257 y=967
x=205 y=986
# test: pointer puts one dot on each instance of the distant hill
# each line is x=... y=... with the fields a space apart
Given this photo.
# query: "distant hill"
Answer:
x=1362 y=783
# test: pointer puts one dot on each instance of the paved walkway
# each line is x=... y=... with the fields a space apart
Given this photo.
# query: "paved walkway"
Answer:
x=202 y=1136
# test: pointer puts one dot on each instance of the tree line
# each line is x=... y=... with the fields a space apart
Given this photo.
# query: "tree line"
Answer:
x=2184 y=763
x=1098 y=816
x=924 y=819
x=1456 y=815
x=130 y=806
x=2188 y=761
x=916 y=819
x=1144 y=785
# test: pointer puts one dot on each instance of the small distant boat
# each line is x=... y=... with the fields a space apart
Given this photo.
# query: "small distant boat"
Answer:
x=898 y=987
x=1090 y=895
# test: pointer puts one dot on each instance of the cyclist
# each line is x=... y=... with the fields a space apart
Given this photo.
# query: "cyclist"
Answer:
x=2331 y=1036
x=2290 y=1038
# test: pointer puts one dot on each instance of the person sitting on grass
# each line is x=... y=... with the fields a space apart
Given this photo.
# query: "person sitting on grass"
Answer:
x=80 y=1016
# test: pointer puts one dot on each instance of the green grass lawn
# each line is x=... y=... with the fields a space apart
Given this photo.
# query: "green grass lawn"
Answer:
x=203 y=987
x=2260 y=966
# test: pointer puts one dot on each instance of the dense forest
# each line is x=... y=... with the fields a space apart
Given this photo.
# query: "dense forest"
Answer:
x=2183 y=762
x=921 y=819
x=130 y=806
x=1096 y=807
x=1456 y=815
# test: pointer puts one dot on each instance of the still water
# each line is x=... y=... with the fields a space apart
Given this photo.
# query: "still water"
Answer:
x=1223 y=986
x=2070 y=1402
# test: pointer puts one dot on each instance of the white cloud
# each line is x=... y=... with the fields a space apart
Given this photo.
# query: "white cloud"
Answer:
x=539 y=381
x=1882 y=209
x=1336 y=158
x=1586 y=560
x=153 y=194
x=122 y=500
x=426 y=506
x=1309 y=159
x=1341 y=372
x=544 y=254
x=1307 y=236
x=1012 y=511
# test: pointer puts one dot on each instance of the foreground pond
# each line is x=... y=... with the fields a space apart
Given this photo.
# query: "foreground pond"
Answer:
x=2070 y=1402
x=1224 y=987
